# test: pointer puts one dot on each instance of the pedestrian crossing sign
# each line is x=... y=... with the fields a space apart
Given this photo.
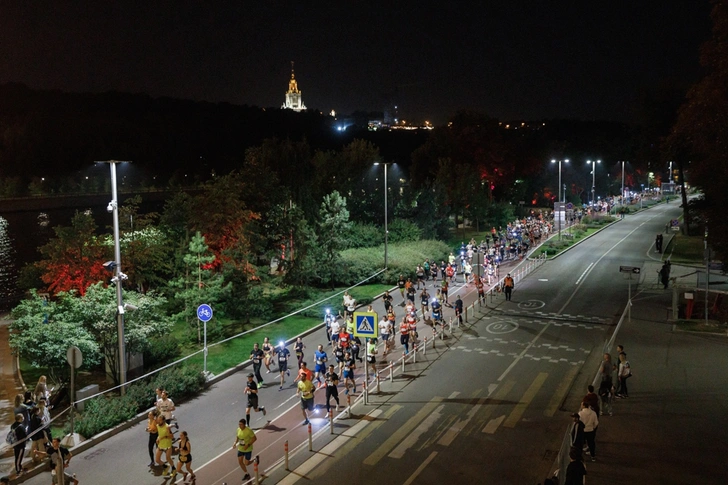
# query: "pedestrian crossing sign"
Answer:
x=365 y=324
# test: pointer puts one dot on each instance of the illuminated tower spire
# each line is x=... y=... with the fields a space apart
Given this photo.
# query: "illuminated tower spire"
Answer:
x=294 y=100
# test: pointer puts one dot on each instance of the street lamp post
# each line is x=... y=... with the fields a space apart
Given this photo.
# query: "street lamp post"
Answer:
x=386 y=230
x=622 y=194
x=594 y=172
x=558 y=212
x=119 y=277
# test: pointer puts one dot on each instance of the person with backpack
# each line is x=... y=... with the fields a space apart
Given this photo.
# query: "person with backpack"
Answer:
x=18 y=437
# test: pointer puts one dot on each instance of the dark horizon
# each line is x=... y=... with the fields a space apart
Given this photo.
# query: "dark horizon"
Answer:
x=548 y=61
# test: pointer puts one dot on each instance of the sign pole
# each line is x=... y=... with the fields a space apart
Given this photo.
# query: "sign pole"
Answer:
x=204 y=313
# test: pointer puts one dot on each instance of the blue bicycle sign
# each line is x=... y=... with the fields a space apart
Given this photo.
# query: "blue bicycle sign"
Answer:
x=204 y=312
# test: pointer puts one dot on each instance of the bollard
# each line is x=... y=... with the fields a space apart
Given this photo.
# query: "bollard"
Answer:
x=379 y=390
x=403 y=356
x=255 y=469
x=391 y=371
x=285 y=452
x=414 y=353
x=331 y=423
x=366 y=382
x=348 y=406
x=424 y=345
x=310 y=438
x=450 y=327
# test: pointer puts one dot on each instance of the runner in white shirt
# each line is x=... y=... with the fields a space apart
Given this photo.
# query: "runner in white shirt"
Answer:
x=335 y=328
x=384 y=332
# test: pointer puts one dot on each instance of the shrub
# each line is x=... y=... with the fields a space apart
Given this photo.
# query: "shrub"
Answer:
x=160 y=351
x=402 y=230
x=364 y=235
x=105 y=412
x=403 y=258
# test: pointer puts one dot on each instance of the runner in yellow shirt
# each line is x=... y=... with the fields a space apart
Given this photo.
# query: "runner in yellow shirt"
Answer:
x=305 y=391
x=244 y=440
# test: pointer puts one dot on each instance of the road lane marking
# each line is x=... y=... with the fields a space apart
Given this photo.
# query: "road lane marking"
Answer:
x=520 y=356
x=561 y=390
x=427 y=461
x=413 y=437
x=326 y=452
x=455 y=429
x=499 y=396
x=493 y=424
x=584 y=273
x=528 y=396
x=402 y=432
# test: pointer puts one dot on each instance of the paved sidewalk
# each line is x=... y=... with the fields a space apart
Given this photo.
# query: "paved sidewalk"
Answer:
x=671 y=429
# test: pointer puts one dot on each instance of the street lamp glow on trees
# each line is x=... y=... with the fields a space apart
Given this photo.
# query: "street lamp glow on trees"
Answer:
x=386 y=229
x=594 y=172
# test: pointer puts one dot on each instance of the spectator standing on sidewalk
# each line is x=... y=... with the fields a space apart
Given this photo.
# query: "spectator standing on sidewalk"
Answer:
x=577 y=433
x=576 y=470
x=624 y=373
x=244 y=439
x=60 y=458
x=591 y=421
x=606 y=390
x=592 y=399
x=20 y=438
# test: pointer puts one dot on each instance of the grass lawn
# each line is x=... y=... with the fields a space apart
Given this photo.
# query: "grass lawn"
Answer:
x=226 y=355
x=695 y=325
x=687 y=249
x=554 y=246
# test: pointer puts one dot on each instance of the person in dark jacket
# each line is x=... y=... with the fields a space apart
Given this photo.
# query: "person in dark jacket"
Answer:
x=19 y=448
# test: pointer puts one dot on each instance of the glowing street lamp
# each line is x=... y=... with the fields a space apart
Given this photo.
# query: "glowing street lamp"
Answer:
x=386 y=231
x=594 y=172
x=565 y=161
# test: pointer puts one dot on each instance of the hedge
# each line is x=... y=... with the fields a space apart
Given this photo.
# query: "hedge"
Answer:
x=104 y=412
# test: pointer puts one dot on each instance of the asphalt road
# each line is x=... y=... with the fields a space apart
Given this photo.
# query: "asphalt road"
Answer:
x=486 y=406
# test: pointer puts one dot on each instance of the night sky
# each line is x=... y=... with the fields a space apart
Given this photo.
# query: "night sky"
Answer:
x=510 y=59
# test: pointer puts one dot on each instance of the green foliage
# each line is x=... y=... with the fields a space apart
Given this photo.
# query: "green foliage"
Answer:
x=358 y=264
x=401 y=230
x=44 y=345
x=333 y=224
x=364 y=235
x=199 y=285
x=105 y=412
x=160 y=350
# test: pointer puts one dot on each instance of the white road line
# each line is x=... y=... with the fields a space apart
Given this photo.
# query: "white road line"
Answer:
x=412 y=438
x=455 y=429
x=427 y=461
x=584 y=273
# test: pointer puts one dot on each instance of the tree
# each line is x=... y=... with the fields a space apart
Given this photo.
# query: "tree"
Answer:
x=333 y=223
x=96 y=312
x=73 y=260
x=700 y=134
x=199 y=284
x=42 y=337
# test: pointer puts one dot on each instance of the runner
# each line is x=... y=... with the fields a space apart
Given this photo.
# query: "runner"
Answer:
x=257 y=356
x=387 y=300
x=481 y=288
x=185 y=456
x=372 y=357
x=305 y=390
x=283 y=353
x=165 y=407
x=459 y=310
x=251 y=389
x=404 y=335
x=424 y=302
x=339 y=354
x=335 y=328
x=165 y=437
x=298 y=349
x=349 y=366
x=321 y=359
x=304 y=370
x=332 y=381
x=444 y=289
x=268 y=353
x=384 y=327
x=244 y=439
x=401 y=284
